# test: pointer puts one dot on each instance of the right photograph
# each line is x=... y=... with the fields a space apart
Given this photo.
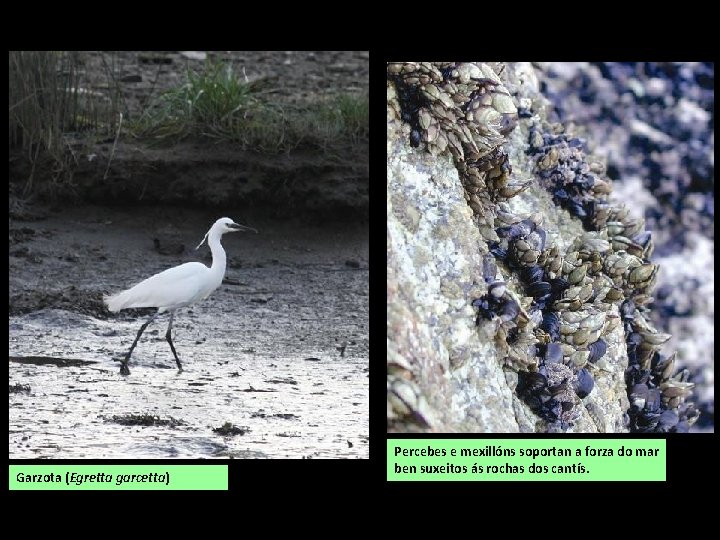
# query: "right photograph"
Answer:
x=550 y=247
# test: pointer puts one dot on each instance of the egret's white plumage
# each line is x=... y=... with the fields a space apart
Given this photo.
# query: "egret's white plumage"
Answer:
x=187 y=279
x=177 y=287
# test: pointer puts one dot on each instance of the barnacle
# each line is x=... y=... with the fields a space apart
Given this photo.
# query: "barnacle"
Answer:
x=404 y=399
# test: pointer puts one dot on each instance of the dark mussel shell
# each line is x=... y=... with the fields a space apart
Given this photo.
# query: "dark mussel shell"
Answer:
x=627 y=309
x=551 y=325
x=531 y=382
x=597 y=350
x=539 y=289
x=668 y=420
x=415 y=138
x=532 y=274
x=558 y=285
x=584 y=383
x=510 y=310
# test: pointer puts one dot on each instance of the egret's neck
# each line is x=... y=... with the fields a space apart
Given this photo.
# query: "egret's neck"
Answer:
x=218 y=254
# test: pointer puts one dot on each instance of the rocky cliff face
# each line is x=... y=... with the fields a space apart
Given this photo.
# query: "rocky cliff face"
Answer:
x=516 y=292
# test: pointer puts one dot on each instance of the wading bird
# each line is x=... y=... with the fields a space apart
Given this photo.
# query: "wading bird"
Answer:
x=177 y=287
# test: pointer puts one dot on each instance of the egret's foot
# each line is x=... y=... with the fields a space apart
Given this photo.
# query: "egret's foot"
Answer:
x=180 y=369
x=124 y=370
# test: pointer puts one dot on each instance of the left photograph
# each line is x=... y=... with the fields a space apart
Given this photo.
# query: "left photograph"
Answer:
x=187 y=231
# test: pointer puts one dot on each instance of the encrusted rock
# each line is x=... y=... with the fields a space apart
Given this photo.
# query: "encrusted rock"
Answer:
x=488 y=182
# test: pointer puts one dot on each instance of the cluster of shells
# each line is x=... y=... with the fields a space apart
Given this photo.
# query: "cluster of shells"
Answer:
x=555 y=341
x=657 y=394
x=454 y=106
x=462 y=108
x=553 y=335
x=570 y=298
x=616 y=255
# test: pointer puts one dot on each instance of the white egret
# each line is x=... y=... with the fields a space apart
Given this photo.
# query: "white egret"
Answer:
x=177 y=287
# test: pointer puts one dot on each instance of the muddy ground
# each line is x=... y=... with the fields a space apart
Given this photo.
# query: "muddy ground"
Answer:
x=276 y=360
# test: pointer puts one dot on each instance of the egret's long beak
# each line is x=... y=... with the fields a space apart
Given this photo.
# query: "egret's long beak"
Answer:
x=238 y=227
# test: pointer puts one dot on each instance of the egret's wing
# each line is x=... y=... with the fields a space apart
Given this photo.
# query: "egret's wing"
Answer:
x=172 y=287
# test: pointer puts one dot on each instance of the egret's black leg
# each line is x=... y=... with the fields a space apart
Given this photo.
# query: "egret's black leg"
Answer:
x=123 y=364
x=169 y=340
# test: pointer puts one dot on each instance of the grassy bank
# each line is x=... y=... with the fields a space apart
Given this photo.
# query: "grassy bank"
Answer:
x=58 y=111
x=218 y=103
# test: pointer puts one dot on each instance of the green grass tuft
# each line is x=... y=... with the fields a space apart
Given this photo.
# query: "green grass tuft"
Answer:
x=218 y=103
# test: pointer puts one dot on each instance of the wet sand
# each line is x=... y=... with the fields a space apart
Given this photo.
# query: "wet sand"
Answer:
x=276 y=360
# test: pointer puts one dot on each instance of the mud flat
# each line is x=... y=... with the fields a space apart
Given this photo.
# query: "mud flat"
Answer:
x=276 y=360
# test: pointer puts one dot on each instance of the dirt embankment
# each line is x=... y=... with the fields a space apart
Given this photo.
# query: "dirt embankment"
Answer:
x=204 y=174
x=207 y=173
